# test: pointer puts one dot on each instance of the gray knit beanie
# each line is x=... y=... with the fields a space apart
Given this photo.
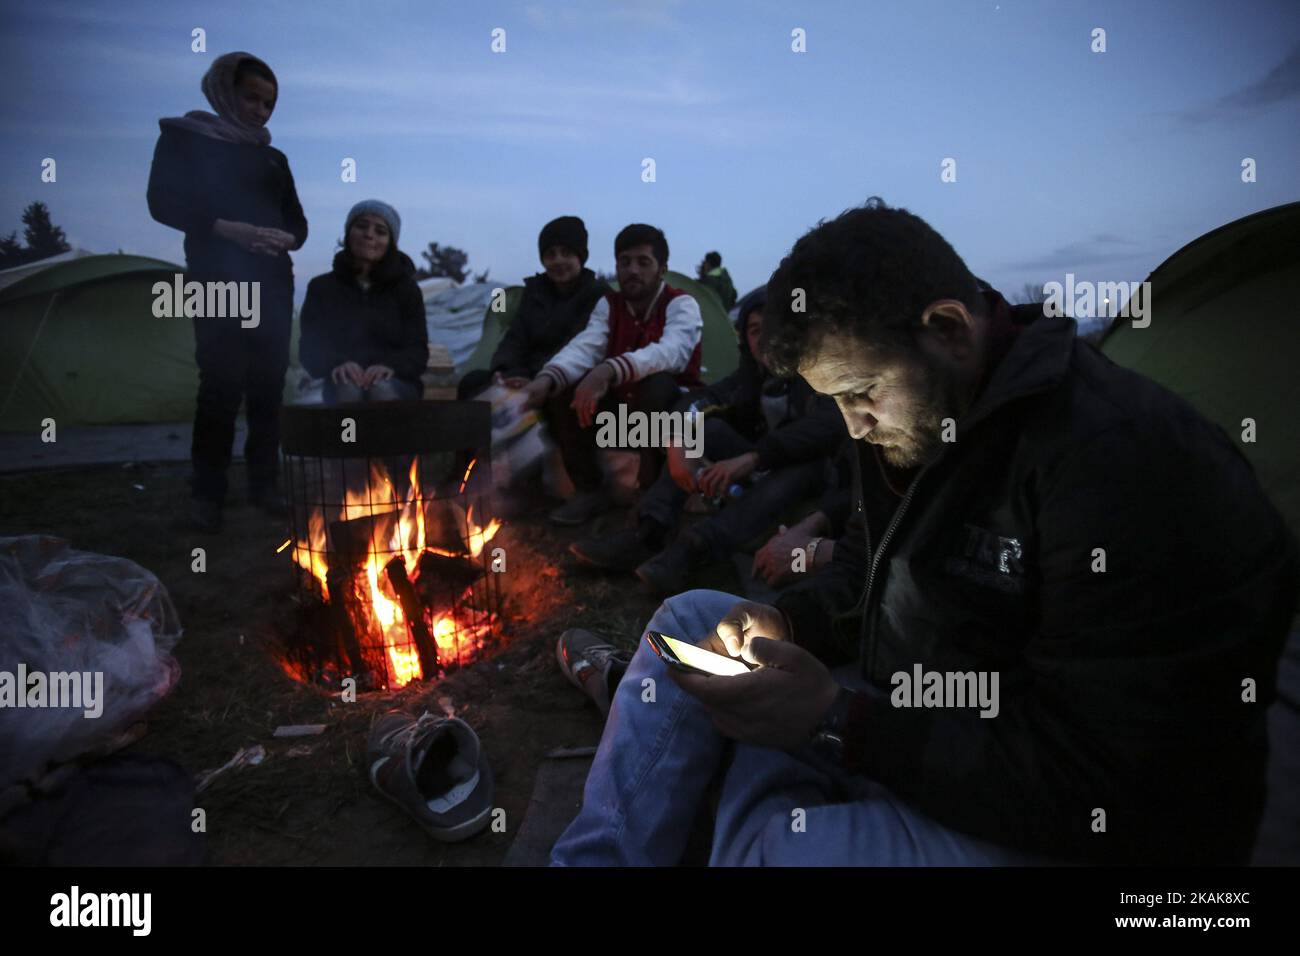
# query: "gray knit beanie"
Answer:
x=377 y=208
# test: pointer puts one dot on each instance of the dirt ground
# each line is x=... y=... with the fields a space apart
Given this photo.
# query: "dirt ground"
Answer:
x=308 y=803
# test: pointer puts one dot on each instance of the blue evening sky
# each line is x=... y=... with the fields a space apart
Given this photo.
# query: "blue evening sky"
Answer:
x=1067 y=160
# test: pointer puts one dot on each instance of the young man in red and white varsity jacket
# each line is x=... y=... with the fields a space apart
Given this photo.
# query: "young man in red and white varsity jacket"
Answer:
x=641 y=346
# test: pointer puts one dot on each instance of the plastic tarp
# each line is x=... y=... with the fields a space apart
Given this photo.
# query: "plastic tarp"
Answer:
x=95 y=632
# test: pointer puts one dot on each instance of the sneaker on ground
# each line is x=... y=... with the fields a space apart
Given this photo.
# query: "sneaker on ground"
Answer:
x=669 y=572
x=620 y=551
x=434 y=768
x=592 y=665
x=581 y=508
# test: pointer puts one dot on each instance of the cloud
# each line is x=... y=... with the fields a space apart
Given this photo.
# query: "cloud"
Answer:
x=1101 y=248
x=1282 y=83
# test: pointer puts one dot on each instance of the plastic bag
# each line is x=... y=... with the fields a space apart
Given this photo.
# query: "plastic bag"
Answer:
x=72 y=612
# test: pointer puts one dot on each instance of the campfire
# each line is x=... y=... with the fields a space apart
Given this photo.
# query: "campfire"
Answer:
x=393 y=565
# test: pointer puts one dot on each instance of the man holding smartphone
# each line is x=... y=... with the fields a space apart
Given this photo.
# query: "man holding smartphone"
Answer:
x=1025 y=511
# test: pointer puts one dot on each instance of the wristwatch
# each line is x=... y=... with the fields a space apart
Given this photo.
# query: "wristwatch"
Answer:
x=828 y=736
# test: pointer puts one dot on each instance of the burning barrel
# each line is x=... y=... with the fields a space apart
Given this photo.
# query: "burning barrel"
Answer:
x=390 y=540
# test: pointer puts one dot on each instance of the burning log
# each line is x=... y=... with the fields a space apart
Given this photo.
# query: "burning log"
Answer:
x=450 y=574
x=413 y=611
x=352 y=539
x=339 y=581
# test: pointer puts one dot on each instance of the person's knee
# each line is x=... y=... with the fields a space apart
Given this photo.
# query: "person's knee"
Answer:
x=698 y=604
x=720 y=440
x=390 y=390
x=657 y=392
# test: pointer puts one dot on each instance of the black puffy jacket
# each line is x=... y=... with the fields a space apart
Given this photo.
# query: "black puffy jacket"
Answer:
x=1120 y=690
x=384 y=325
x=544 y=323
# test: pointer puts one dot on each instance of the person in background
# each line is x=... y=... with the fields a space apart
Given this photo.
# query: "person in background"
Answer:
x=770 y=435
x=713 y=274
x=640 y=347
x=363 y=322
x=556 y=305
x=217 y=178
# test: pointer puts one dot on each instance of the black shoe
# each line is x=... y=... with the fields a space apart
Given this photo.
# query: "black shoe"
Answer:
x=581 y=508
x=270 y=501
x=205 y=515
x=620 y=551
x=669 y=571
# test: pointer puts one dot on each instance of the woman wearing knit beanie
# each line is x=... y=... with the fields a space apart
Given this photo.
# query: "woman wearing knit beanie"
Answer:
x=216 y=177
x=363 y=323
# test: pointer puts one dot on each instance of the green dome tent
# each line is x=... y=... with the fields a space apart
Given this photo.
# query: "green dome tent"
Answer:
x=718 y=356
x=79 y=343
x=1225 y=335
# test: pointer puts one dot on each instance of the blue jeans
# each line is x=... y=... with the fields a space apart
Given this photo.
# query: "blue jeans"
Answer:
x=657 y=758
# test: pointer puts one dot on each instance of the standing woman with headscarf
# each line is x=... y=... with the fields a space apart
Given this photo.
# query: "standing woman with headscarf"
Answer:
x=218 y=180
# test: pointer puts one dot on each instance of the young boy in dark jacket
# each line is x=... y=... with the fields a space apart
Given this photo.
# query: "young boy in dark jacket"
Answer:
x=555 y=307
x=755 y=423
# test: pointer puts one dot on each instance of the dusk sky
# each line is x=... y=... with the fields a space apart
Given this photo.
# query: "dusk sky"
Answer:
x=1101 y=164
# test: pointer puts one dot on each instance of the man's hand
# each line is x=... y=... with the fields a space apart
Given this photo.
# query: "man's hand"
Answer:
x=262 y=240
x=746 y=621
x=514 y=382
x=773 y=561
x=537 y=391
x=718 y=477
x=590 y=391
x=376 y=373
x=274 y=241
x=349 y=373
x=778 y=705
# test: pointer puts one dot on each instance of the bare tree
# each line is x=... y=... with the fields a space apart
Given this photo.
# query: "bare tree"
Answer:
x=1031 y=294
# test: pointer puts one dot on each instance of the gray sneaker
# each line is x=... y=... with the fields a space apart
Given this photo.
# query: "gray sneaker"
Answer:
x=592 y=665
x=434 y=769
x=581 y=508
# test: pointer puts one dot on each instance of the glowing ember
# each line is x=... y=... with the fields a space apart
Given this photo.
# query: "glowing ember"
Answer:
x=396 y=529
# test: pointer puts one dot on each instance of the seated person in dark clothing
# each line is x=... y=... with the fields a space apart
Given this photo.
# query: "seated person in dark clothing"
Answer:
x=639 y=348
x=756 y=424
x=363 y=326
x=555 y=307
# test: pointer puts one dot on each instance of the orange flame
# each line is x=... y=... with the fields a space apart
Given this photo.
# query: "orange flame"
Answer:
x=405 y=534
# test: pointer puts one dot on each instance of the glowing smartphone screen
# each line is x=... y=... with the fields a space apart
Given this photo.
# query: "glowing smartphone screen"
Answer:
x=707 y=661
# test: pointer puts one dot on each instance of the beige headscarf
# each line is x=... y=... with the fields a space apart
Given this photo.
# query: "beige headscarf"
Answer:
x=219 y=88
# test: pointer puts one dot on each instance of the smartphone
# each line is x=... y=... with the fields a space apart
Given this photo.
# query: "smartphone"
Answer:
x=693 y=659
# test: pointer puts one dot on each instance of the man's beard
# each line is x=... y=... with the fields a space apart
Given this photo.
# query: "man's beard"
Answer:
x=920 y=440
